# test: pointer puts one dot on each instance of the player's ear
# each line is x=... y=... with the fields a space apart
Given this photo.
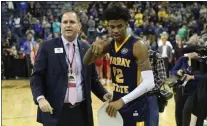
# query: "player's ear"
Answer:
x=126 y=24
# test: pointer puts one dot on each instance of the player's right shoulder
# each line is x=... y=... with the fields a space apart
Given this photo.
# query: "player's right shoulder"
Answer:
x=139 y=44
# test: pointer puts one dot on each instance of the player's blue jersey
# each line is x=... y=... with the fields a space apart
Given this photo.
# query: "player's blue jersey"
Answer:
x=125 y=72
x=126 y=76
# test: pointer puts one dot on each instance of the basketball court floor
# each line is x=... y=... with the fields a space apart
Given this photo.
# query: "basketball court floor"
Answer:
x=18 y=108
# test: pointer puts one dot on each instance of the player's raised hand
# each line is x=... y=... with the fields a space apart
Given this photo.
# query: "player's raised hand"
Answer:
x=98 y=46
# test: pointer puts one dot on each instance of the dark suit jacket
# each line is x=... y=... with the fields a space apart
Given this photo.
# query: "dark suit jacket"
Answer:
x=50 y=79
x=169 y=52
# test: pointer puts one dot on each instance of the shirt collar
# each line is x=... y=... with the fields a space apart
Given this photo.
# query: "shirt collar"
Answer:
x=65 y=42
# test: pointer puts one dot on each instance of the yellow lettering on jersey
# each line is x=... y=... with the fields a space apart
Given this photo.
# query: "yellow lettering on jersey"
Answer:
x=127 y=62
x=123 y=62
x=113 y=60
x=120 y=61
x=119 y=76
x=120 y=89
x=140 y=124
x=125 y=89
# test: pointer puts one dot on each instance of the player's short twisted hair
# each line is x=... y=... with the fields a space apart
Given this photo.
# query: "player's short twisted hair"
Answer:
x=116 y=12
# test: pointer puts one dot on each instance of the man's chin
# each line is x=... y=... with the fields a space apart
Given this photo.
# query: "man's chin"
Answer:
x=117 y=39
x=68 y=35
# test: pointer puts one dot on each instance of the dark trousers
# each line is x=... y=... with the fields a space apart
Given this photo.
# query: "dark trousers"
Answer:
x=167 y=66
x=183 y=108
x=28 y=65
x=76 y=116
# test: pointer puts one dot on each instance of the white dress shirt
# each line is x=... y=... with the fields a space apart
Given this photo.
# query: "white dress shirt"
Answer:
x=160 y=43
x=79 y=78
x=164 y=51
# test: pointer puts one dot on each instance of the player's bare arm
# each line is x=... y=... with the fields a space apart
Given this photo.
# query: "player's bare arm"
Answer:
x=140 y=52
x=97 y=50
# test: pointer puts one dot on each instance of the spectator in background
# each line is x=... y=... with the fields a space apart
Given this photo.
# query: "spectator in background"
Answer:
x=46 y=27
x=154 y=45
x=34 y=51
x=164 y=36
x=50 y=36
x=56 y=27
x=106 y=80
x=4 y=8
x=31 y=8
x=194 y=40
x=7 y=61
x=146 y=40
x=182 y=10
x=151 y=31
x=132 y=21
x=23 y=8
x=203 y=12
x=178 y=48
x=166 y=52
x=83 y=37
x=10 y=22
x=171 y=38
x=195 y=11
x=99 y=69
x=91 y=29
x=139 y=16
x=145 y=27
x=93 y=12
x=37 y=12
x=100 y=12
x=97 y=20
x=183 y=32
x=17 y=25
x=159 y=30
x=49 y=14
x=26 y=22
x=152 y=15
x=161 y=14
x=38 y=29
x=178 y=17
x=30 y=30
x=12 y=38
x=172 y=16
x=138 y=19
x=100 y=30
x=129 y=30
x=27 y=48
x=10 y=6
x=84 y=20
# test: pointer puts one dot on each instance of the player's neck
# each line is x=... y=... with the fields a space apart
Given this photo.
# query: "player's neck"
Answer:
x=119 y=42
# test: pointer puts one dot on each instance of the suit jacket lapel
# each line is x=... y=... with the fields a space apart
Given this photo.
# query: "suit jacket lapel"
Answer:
x=82 y=50
x=62 y=56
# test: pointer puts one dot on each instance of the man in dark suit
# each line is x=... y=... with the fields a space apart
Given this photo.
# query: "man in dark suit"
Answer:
x=61 y=85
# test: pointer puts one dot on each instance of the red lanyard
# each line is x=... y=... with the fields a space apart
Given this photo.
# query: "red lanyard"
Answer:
x=71 y=63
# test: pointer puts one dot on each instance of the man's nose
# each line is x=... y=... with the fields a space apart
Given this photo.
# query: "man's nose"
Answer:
x=115 y=30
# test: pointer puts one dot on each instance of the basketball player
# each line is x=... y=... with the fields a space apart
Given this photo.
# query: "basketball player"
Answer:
x=132 y=75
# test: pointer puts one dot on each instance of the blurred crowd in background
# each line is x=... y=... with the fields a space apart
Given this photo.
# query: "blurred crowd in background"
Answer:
x=26 y=24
